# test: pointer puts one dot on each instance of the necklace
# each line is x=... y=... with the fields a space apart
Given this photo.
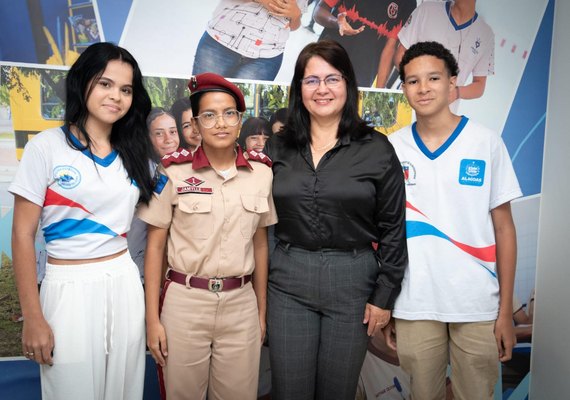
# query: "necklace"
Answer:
x=326 y=146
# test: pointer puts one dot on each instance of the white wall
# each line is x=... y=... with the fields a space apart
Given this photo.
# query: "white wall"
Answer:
x=550 y=362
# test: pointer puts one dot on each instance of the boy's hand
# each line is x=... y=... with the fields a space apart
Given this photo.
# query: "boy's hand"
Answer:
x=505 y=337
x=389 y=332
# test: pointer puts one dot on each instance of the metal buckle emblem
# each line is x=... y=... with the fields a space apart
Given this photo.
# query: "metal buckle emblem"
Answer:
x=215 y=285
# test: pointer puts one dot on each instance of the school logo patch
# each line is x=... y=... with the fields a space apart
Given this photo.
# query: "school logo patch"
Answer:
x=392 y=10
x=66 y=176
x=409 y=173
x=472 y=172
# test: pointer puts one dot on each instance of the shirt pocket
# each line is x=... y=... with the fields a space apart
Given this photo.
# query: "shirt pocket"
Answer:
x=254 y=206
x=196 y=212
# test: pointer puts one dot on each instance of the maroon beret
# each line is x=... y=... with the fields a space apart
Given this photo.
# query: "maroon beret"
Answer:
x=210 y=82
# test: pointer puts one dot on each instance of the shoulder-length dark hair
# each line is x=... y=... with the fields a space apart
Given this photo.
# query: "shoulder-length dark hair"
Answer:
x=179 y=107
x=129 y=135
x=297 y=131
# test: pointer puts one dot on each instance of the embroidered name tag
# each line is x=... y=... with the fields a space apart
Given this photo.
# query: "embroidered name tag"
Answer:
x=472 y=172
x=194 y=189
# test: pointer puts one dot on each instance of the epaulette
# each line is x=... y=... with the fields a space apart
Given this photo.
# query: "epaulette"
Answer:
x=179 y=156
x=253 y=155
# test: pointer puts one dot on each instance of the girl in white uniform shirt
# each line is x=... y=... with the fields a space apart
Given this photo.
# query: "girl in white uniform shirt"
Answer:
x=81 y=183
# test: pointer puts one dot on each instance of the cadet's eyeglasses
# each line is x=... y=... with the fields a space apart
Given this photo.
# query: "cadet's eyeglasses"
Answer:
x=208 y=119
x=331 y=81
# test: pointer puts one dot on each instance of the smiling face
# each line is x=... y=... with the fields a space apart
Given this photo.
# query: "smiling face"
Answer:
x=164 y=135
x=191 y=135
x=428 y=85
x=256 y=142
x=111 y=96
x=323 y=102
x=221 y=135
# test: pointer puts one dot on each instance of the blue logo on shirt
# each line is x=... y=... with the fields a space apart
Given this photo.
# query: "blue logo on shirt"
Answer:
x=66 y=176
x=472 y=172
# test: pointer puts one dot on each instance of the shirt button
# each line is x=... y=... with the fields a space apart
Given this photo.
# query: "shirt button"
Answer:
x=195 y=207
x=227 y=220
x=255 y=208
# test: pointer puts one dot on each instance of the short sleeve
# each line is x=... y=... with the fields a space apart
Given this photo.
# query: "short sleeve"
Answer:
x=158 y=212
x=486 y=64
x=34 y=173
x=408 y=35
x=504 y=183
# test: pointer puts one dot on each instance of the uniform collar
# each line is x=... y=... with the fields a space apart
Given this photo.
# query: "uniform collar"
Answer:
x=201 y=160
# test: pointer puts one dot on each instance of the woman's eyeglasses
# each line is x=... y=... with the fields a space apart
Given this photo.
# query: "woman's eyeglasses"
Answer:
x=313 y=82
x=208 y=119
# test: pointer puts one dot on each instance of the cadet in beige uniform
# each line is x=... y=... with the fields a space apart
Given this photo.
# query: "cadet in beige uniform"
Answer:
x=212 y=213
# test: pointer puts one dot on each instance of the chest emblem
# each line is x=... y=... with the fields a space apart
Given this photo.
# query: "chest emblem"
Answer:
x=66 y=176
x=194 y=187
x=472 y=172
x=409 y=173
x=392 y=10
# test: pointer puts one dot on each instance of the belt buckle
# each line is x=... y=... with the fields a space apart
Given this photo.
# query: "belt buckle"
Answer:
x=215 y=285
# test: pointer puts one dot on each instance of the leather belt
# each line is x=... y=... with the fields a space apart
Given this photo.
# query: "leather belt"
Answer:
x=212 y=284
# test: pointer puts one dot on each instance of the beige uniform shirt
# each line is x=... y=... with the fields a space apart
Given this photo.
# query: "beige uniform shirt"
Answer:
x=212 y=219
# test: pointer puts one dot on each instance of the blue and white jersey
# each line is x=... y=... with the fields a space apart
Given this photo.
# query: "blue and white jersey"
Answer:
x=87 y=202
x=451 y=276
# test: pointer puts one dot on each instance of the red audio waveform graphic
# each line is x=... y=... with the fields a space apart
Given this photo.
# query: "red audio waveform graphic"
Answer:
x=353 y=15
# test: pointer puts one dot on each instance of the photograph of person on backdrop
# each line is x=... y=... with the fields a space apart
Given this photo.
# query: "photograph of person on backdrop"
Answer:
x=459 y=27
x=368 y=30
x=246 y=39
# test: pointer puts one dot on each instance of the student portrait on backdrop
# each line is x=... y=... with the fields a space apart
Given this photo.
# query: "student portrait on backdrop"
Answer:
x=206 y=328
x=457 y=294
x=81 y=183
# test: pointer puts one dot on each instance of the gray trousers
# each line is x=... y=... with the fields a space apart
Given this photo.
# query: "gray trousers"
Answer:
x=316 y=303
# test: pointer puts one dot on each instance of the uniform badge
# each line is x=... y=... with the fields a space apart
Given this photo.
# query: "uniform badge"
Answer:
x=194 y=187
x=472 y=172
x=66 y=176
x=409 y=173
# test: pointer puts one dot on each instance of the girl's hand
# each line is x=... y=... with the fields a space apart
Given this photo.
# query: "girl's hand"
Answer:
x=37 y=340
x=156 y=342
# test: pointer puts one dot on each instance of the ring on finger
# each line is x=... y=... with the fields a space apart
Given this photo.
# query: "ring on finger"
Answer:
x=29 y=353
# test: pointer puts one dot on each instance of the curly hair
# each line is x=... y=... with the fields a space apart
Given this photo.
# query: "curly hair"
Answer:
x=434 y=49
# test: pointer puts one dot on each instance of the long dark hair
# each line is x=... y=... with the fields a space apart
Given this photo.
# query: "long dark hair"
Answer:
x=297 y=131
x=129 y=136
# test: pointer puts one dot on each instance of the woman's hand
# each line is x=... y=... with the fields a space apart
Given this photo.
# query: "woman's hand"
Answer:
x=263 y=326
x=156 y=342
x=376 y=318
x=37 y=340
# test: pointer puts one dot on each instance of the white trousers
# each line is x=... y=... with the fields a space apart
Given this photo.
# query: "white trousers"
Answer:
x=96 y=313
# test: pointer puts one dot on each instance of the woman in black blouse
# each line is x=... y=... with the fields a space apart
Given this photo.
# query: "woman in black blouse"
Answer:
x=338 y=186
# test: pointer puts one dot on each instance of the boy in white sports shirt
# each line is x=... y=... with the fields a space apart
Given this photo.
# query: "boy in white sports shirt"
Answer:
x=456 y=300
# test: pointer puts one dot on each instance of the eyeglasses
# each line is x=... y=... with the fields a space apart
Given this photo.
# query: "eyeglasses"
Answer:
x=330 y=81
x=208 y=119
